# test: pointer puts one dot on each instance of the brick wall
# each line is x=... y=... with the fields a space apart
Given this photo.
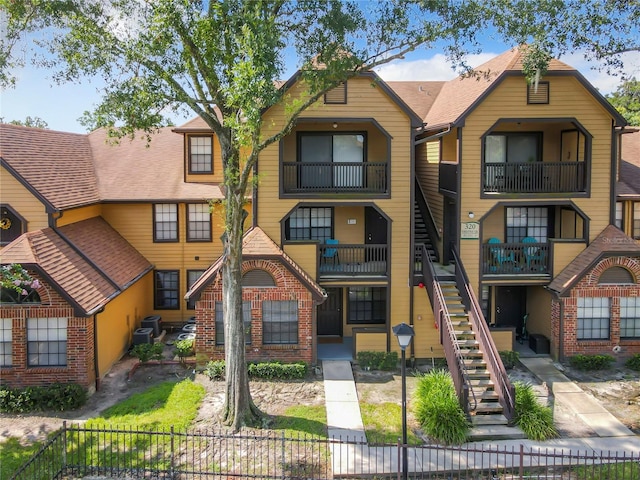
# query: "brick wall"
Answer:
x=588 y=287
x=80 y=346
x=288 y=287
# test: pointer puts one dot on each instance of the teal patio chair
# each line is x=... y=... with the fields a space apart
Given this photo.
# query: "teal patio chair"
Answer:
x=499 y=254
x=533 y=255
x=331 y=253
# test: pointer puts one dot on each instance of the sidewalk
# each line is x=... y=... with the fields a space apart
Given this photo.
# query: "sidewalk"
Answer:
x=344 y=420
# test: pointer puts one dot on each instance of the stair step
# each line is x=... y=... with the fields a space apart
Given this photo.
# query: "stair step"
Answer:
x=467 y=343
x=484 y=395
x=488 y=408
x=477 y=375
x=475 y=362
x=464 y=332
x=471 y=353
x=494 y=432
x=480 y=382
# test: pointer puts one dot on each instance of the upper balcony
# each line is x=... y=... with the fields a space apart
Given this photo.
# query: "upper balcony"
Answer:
x=534 y=177
x=334 y=177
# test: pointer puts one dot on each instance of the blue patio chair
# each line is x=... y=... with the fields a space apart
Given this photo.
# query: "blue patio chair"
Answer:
x=500 y=254
x=534 y=254
x=331 y=253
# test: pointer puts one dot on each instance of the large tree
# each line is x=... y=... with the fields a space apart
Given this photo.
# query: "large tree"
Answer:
x=221 y=61
x=626 y=99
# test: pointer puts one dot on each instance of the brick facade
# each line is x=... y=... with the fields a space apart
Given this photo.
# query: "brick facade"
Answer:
x=80 y=366
x=588 y=286
x=287 y=288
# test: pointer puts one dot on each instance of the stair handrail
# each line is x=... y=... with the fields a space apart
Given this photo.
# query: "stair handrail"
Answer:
x=429 y=221
x=504 y=387
x=455 y=360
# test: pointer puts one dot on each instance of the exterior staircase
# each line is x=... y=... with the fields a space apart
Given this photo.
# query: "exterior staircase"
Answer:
x=421 y=234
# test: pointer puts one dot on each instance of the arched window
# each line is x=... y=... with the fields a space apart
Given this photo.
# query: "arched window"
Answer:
x=12 y=225
x=616 y=275
x=258 y=278
x=8 y=295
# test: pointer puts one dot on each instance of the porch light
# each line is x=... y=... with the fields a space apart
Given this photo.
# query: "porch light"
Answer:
x=404 y=333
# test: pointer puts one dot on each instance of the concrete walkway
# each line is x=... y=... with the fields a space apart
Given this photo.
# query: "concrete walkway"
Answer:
x=345 y=423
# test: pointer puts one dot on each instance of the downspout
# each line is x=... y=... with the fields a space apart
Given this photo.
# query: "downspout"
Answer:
x=412 y=243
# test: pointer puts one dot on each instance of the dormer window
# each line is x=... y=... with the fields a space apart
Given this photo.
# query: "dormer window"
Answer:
x=201 y=154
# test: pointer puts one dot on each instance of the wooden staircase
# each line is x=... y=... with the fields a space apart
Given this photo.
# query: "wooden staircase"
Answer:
x=486 y=412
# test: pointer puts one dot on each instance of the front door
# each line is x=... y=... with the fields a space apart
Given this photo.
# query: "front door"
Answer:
x=511 y=305
x=375 y=233
x=330 y=314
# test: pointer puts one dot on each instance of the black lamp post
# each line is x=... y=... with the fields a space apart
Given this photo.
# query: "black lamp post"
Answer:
x=404 y=333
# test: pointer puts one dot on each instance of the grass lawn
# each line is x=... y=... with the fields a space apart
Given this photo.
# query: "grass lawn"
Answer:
x=383 y=423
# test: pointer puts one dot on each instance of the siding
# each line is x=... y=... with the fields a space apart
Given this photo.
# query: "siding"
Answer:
x=22 y=201
x=77 y=214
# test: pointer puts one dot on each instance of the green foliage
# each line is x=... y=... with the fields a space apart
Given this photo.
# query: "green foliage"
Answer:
x=58 y=396
x=377 y=360
x=437 y=409
x=633 y=362
x=303 y=419
x=383 y=423
x=510 y=358
x=29 y=121
x=534 y=419
x=215 y=370
x=14 y=277
x=591 y=362
x=626 y=99
x=147 y=351
x=184 y=348
x=13 y=455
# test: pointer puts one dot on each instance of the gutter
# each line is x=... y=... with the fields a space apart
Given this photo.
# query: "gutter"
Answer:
x=434 y=136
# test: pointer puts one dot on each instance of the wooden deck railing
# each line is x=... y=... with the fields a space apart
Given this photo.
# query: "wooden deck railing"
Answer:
x=535 y=177
x=352 y=260
x=335 y=177
x=516 y=259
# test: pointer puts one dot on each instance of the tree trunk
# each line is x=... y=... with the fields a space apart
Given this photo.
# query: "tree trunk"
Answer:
x=239 y=408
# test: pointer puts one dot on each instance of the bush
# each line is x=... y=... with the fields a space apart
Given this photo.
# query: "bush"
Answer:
x=534 y=419
x=184 y=348
x=510 y=358
x=591 y=362
x=58 y=396
x=147 y=351
x=437 y=409
x=377 y=360
x=634 y=362
x=215 y=370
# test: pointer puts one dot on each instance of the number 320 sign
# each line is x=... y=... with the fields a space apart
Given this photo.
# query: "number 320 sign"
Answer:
x=470 y=231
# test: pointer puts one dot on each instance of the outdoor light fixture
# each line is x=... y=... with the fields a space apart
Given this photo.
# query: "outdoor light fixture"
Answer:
x=335 y=124
x=404 y=333
x=471 y=214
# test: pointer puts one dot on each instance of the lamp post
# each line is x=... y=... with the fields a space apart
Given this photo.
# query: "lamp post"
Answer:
x=404 y=333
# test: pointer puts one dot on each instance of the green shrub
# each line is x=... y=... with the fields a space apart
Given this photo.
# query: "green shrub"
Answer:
x=215 y=370
x=591 y=362
x=437 y=409
x=58 y=396
x=147 y=351
x=510 y=358
x=634 y=362
x=534 y=419
x=377 y=360
x=184 y=348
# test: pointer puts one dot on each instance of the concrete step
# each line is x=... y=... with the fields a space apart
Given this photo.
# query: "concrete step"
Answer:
x=488 y=408
x=498 y=419
x=494 y=432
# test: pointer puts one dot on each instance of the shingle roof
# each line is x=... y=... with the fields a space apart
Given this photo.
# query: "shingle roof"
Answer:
x=88 y=280
x=610 y=242
x=256 y=244
x=419 y=96
x=57 y=165
x=136 y=171
x=629 y=179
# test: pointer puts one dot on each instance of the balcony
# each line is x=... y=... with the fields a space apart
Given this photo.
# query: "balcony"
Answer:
x=515 y=259
x=349 y=261
x=369 y=178
x=535 y=177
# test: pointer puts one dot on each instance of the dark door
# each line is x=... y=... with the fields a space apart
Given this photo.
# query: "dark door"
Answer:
x=511 y=305
x=375 y=233
x=450 y=232
x=330 y=314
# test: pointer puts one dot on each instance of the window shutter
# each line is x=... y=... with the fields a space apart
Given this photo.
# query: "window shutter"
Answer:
x=616 y=275
x=541 y=95
x=337 y=95
x=258 y=278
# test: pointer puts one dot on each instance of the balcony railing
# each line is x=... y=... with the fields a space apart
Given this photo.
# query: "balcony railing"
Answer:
x=515 y=259
x=335 y=177
x=352 y=260
x=535 y=177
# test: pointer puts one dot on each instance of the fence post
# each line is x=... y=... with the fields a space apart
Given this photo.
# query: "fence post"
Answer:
x=284 y=460
x=521 y=472
x=172 y=463
x=64 y=446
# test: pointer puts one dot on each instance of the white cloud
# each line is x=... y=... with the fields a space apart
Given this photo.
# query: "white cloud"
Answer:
x=599 y=78
x=435 y=68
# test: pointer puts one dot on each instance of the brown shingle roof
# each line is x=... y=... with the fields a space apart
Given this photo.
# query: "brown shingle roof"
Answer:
x=87 y=286
x=629 y=179
x=256 y=244
x=610 y=242
x=136 y=171
x=458 y=95
x=57 y=165
x=419 y=96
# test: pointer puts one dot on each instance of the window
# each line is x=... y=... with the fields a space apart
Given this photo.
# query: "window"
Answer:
x=11 y=225
x=246 y=318
x=165 y=225
x=310 y=223
x=192 y=277
x=200 y=154
x=199 y=222
x=8 y=295
x=46 y=342
x=636 y=221
x=527 y=222
x=618 y=219
x=593 y=318
x=332 y=159
x=6 y=342
x=367 y=305
x=538 y=93
x=512 y=148
x=629 y=317
x=279 y=322
x=258 y=278
x=166 y=287
x=337 y=94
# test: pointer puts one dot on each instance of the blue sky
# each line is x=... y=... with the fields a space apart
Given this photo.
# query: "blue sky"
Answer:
x=36 y=94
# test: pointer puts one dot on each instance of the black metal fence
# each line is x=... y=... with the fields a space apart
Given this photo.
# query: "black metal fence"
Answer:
x=77 y=452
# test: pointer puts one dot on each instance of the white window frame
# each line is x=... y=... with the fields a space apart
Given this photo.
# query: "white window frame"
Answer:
x=47 y=342
x=592 y=314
